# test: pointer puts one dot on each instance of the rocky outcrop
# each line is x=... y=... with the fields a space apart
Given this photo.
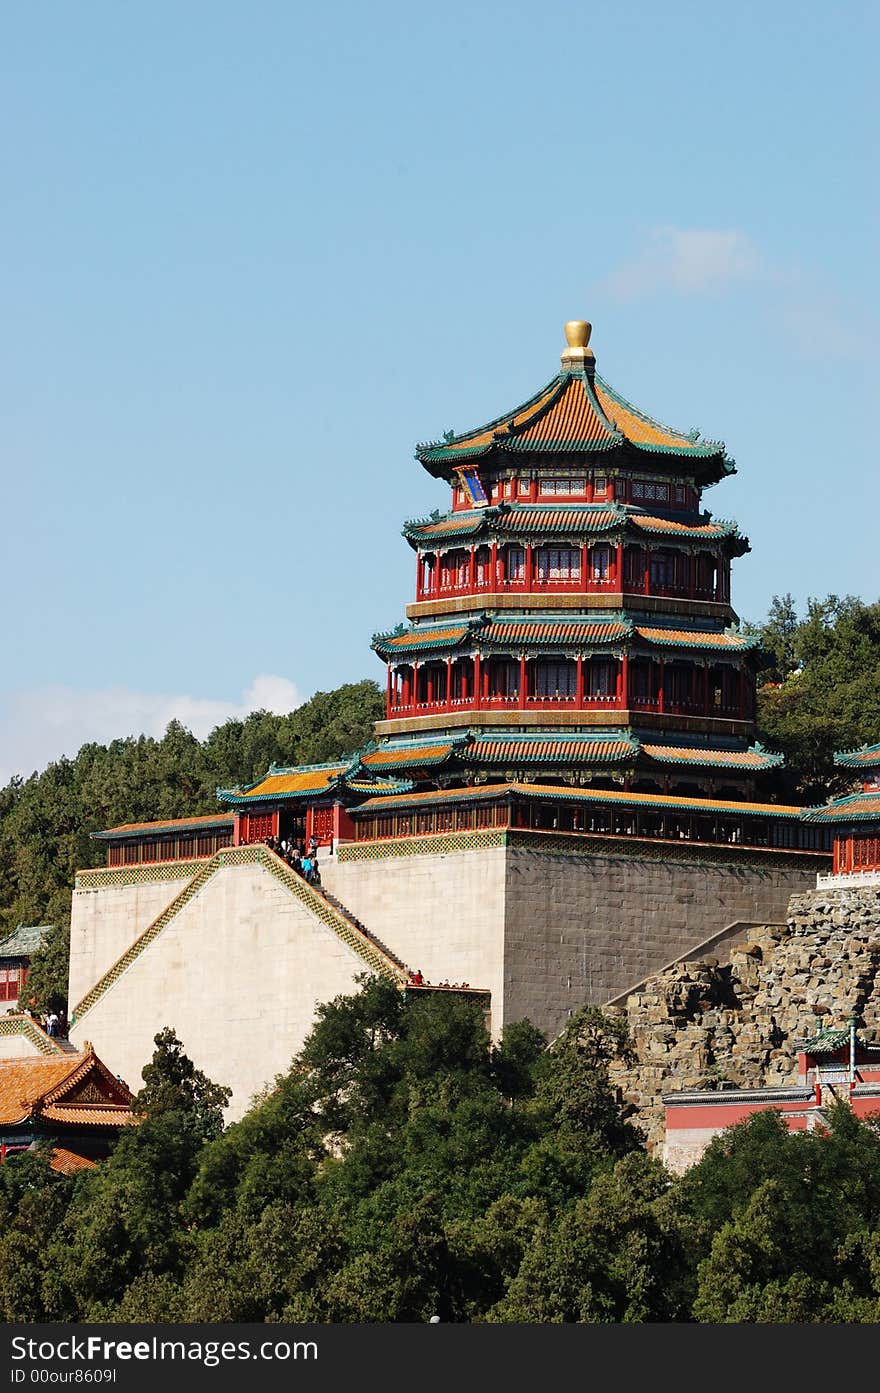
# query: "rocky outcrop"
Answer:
x=701 y=1024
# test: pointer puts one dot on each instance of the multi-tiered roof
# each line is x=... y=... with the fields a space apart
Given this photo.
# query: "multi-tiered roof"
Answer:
x=572 y=615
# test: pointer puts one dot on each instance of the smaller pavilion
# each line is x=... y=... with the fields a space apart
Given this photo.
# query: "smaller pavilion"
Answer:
x=835 y=1064
x=16 y=951
x=855 y=822
x=64 y=1098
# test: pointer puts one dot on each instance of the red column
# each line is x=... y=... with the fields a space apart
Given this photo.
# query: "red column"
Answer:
x=692 y=575
x=618 y=565
x=585 y=565
x=647 y=580
x=611 y=487
x=472 y=569
x=493 y=565
x=429 y=694
x=624 y=679
x=579 y=681
x=660 y=706
x=522 y=680
x=236 y=829
x=388 y=691
x=478 y=682
x=533 y=489
x=449 y=679
x=528 y=566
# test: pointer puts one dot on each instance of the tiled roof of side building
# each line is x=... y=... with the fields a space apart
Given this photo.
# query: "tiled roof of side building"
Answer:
x=411 y=755
x=867 y=757
x=753 y=758
x=286 y=783
x=89 y=1115
x=567 y=792
x=857 y=807
x=69 y=1162
x=51 y=1085
x=24 y=941
x=283 y=785
x=174 y=824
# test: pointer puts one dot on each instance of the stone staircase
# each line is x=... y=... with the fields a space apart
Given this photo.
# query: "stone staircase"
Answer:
x=328 y=910
x=352 y=919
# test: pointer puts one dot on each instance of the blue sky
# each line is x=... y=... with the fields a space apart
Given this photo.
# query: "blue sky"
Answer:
x=252 y=254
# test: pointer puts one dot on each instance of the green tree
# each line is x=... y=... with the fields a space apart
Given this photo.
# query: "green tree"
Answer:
x=124 y=1222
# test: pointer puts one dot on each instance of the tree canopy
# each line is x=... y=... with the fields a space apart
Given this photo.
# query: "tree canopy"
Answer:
x=822 y=690
x=406 y=1167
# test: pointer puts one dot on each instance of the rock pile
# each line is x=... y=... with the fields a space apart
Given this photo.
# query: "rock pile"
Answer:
x=704 y=1024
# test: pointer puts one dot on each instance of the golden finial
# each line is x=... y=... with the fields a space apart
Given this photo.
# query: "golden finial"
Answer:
x=577 y=336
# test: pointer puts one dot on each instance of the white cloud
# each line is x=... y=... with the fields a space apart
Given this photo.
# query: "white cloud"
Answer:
x=43 y=723
x=686 y=260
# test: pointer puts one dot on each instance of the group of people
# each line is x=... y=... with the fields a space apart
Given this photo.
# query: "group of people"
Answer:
x=304 y=861
x=53 y=1022
x=418 y=980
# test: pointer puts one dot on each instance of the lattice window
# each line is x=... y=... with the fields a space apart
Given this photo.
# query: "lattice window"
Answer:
x=600 y=563
x=603 y=678
x=556 y=679
x=516 y=563
x=650 y=491
x=563 y=485
x=322 y=823
x=558 y=563
x=866 y=852
x=662 y=568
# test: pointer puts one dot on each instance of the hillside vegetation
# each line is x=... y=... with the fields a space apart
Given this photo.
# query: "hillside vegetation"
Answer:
x=405 y=1168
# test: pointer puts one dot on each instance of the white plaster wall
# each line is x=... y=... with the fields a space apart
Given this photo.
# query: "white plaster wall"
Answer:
x=104 y=922
x=237 y=973
x=20 y=1047
x=443 y=914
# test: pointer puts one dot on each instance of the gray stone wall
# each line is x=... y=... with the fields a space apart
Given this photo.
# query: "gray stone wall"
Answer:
x=582 y=929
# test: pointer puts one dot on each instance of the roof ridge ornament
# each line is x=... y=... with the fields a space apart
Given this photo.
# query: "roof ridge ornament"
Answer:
x=578 y=354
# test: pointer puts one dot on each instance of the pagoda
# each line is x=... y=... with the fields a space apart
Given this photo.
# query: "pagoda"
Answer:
x=572 y=617
x=571 y=661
